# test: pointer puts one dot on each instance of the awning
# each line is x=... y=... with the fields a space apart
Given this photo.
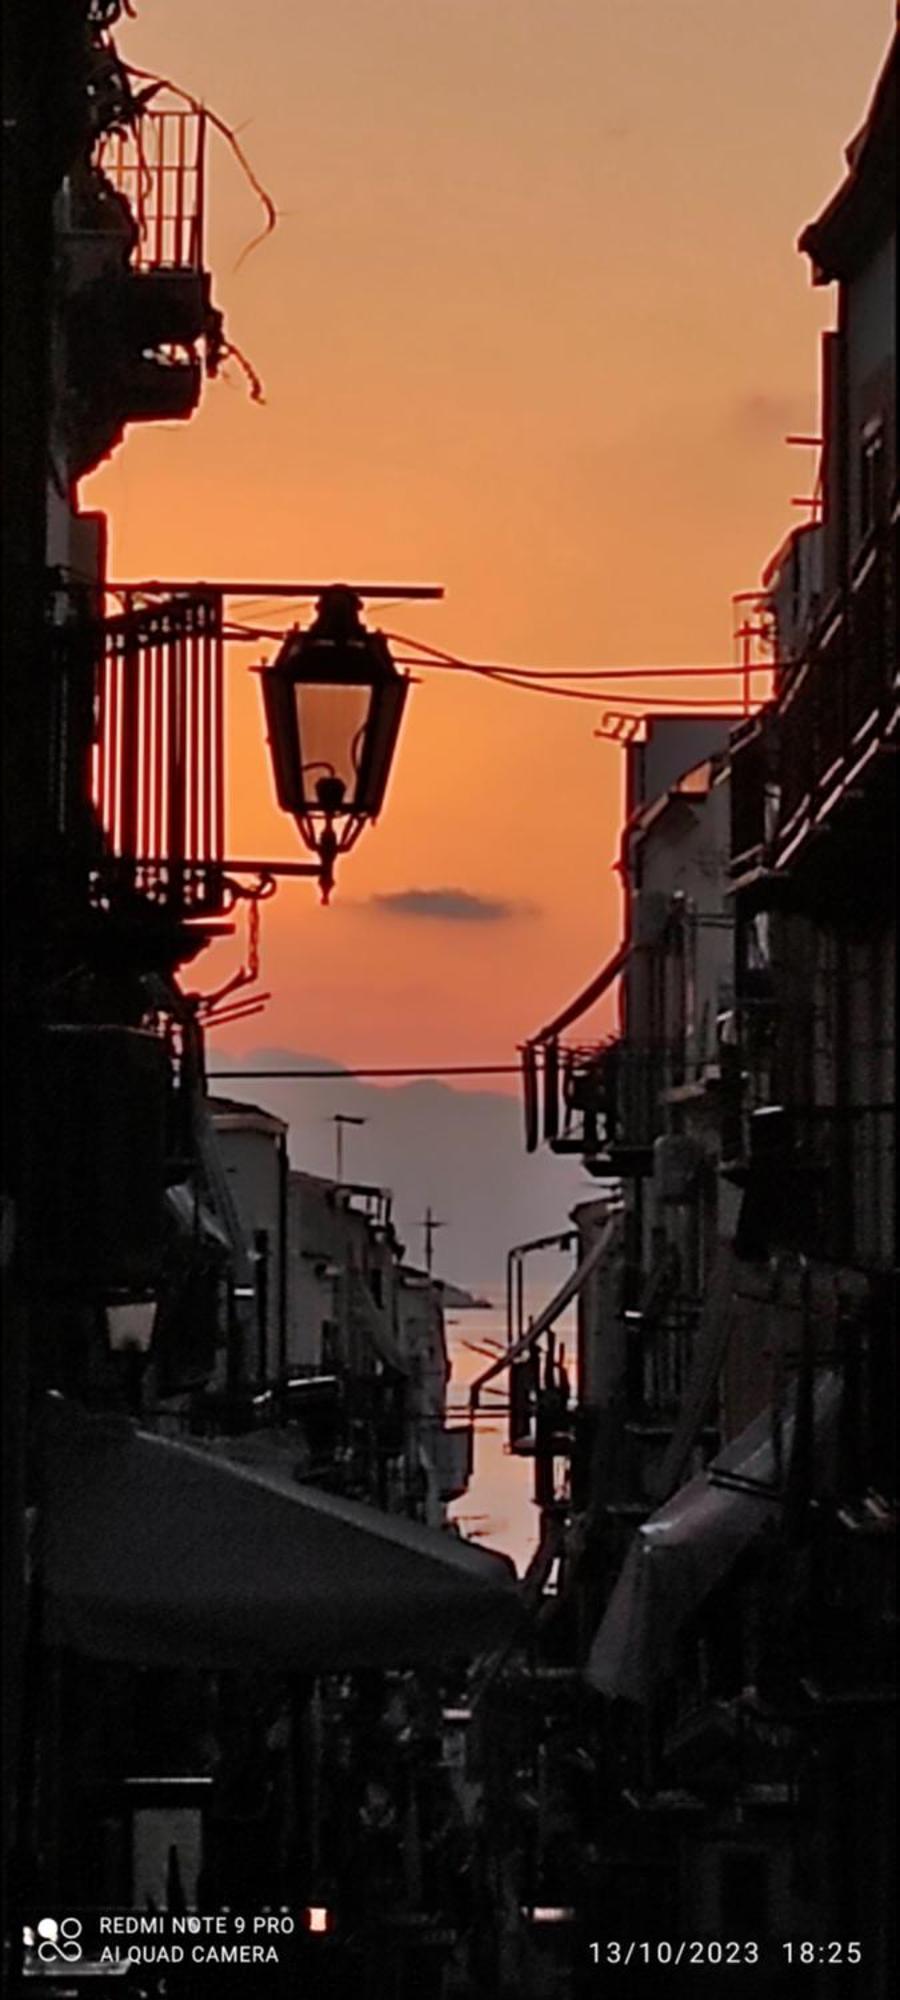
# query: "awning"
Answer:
x=685 y=1549
x=599 y=985
x=604 y=1246
x=167 y=1554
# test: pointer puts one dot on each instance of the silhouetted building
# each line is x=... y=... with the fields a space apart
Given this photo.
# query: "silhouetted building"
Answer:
x=724 y=1575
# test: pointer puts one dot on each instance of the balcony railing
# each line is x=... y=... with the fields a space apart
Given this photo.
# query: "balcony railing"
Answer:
x=159 y=167
x=158 y=779
x=836 y=706
x=599 y=1101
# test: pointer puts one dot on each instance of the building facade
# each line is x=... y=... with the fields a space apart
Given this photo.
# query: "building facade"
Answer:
x=726 y=1482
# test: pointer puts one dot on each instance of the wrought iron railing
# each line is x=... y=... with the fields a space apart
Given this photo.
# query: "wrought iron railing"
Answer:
x=159 y=167
x=592 y=1100
x=158 y=778
x=836 y=702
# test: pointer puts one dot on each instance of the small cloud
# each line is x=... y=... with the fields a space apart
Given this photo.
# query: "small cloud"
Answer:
x=455 y=906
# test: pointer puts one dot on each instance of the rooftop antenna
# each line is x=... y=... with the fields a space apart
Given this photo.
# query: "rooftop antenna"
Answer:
x=430 y=1223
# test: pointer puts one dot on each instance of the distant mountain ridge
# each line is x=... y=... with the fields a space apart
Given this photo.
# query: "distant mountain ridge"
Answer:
x=460 y=1153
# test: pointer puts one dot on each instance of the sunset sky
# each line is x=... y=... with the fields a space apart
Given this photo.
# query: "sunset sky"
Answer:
x=532 y=325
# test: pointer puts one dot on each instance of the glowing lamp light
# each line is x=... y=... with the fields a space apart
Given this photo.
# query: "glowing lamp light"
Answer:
x=130 y=1326
x=318 y=1921
x=333 y=703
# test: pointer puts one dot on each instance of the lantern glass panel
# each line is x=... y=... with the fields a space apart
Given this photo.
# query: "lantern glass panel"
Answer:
x=131 y=1325
x=332 y=720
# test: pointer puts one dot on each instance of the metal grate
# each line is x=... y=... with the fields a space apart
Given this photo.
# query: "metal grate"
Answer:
x=158 y=780
x=159 y=167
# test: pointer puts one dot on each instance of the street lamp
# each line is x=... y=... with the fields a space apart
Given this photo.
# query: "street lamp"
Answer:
x=130 y=1325
x=333 y=703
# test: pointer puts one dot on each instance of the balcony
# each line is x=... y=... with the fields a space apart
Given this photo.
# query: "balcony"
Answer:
x=159 y=170
x=837 y=714
x=600 y=1102
x=816 y=759
x=136 y=294
x=158 y=766
x=138 y=764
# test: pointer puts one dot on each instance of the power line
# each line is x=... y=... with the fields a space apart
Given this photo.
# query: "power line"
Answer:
x=616 y=673
x=546 y=680
x=494 y=668
x=537 y=680
x=343 y=1075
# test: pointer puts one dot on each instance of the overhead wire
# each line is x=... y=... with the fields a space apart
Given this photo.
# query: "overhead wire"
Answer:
x=347 y=1075
x=546 y=680
x=534 y=680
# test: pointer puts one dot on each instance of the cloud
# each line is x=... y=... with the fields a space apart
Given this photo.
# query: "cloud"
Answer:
x=455 y=906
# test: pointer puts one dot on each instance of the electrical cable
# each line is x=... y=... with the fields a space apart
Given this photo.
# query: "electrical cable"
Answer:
x=346 y=1075
x=534 y=680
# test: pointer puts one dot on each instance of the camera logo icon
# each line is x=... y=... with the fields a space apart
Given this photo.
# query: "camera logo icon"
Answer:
x=57 y=1940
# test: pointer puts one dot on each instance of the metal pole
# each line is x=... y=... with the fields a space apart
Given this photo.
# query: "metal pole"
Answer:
x=430 y=1223
x=421 y=593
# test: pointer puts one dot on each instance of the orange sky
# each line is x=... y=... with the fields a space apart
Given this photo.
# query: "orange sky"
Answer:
x=533 y=326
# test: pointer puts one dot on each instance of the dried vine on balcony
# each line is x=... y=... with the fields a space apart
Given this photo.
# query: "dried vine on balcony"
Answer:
x=231 y=139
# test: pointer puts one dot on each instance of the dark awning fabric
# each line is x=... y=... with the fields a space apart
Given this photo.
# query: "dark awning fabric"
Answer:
x=168 y=1554
x=599 y=985
x=685 y=1549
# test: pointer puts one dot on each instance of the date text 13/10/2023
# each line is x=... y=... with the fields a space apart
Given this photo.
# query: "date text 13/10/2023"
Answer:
x=710 y=1951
